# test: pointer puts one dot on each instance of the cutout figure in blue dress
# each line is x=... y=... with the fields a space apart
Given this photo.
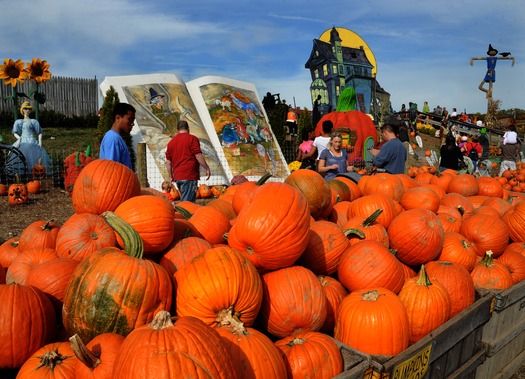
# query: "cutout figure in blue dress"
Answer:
x=24 y=131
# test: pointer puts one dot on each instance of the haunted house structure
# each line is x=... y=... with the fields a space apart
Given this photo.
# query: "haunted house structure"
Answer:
x=333 y=67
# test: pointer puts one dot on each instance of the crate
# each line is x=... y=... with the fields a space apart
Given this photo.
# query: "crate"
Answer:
x=453 y=350
x=355 y=363
x=504 y=335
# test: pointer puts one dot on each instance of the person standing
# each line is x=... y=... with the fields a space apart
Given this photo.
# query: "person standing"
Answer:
x=509 y=155
x=183 y=157
x=320 y=142
x=113 y=146
x=451 y=154
x=474 y=151
x=392 y=155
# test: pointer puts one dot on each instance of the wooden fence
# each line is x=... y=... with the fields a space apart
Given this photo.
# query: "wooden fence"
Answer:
x=69 y=96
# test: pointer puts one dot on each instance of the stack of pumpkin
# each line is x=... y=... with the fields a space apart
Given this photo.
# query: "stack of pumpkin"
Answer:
x=259 y=279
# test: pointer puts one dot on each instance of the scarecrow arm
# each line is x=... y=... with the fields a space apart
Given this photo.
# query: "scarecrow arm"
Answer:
x=476 y=59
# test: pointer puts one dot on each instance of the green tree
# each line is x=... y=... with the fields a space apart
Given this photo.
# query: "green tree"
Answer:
x=105 y=121
x=304 y=121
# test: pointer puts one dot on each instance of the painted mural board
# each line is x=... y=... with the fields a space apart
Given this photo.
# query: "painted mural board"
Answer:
x=161 y=100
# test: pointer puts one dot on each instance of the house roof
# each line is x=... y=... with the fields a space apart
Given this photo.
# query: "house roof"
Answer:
x=350 y=55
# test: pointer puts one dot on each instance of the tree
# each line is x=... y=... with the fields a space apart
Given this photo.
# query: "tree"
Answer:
x=304 y=121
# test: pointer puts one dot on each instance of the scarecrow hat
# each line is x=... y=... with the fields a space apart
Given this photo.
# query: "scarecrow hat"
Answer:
x=491 y=50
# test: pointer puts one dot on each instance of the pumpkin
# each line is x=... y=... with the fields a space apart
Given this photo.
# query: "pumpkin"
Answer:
x=339 y=213
x=386 y=184
x=341 y=189
x=460 y=202
x=355 y=192
x=39 y=234
x=366 y=228
x=488 y=186
x=315 y=189
x=28 y=323
x=217 y=285
x=129 y=291
x=97 y=358
x=514 y=218
x=515 y=263
x=224 y=207
x=326 y=245
x=456 y=280
x=26 y=261
x=498 y=204
x=369 y=264
x=17 y=194
x=185 y=346
x=38 y=170
x=209 y=223
x=366 y=205
x=102 y=185
x=490 y=274
x=345 y=117
x=293 y=300
x=420 y=197
x=373 y=321
x=463 y=184
x=244 y=192
x=334 y=292
x=182 y=252
x=3 y=189
x=275 y=236
x=52 y=277
x=458 y=250
x=204 y=191
x=8 y=251
x=252 y=354
x=33 y=187
x=486 y=232
x=427 y=303
x=55 y=360
x=152 y=218
x=310 y=355
x=217 y=190
x=82 y=234
x=417 y=235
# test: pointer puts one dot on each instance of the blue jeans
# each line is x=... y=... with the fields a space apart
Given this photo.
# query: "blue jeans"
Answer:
x=188 y=189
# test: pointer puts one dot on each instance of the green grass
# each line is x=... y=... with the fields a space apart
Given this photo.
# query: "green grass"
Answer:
x=70 y=139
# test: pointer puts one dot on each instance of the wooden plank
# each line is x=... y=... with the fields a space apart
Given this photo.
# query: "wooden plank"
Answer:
x=468 y=369
x=508 y=297
x=509 y=370
x=495 y=345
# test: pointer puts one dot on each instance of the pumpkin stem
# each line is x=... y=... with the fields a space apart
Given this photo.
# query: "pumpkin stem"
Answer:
x=487 y=260
x=183 y=211
x=263 y=179
x=162 y=320
x=423 y=279
x=372 y=218
x=347 y=100
x=371 y=295
x=51 y=359
x=133 y=245
x=297 y=341
x=229 y=319
x=322 y=280
x=461 y=210
x=354 y=232
x=89 y=358
x=47 y=225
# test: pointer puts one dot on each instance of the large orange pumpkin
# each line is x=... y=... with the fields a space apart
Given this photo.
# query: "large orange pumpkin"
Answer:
x=514 y=218
x=129 y=290
x=491 y=274
x=185 y=346
x=28 y=323
x=293 y=300
x=367 y=205
x=55 y=360
x=458 y=250
x=487 y=233
x=464 y=184
x=274 y=231
x=315 y=189
x=218 y=285
x=96 y=359
x=427 y=303
x=39 y=234
x=102 y=185
x=335 y=292
x=386 y=184
x=373 y=321
x=417 y=235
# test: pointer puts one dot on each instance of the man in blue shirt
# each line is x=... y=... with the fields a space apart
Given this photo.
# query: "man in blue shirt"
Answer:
x=392 y=155
x=113 y=146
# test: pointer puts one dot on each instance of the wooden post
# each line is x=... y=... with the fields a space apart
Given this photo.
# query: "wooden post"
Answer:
x=142 y=171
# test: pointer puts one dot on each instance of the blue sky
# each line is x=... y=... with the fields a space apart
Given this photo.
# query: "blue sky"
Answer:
x=422 y=48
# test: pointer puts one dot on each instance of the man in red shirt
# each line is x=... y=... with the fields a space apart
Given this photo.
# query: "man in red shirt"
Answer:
x=183 y=157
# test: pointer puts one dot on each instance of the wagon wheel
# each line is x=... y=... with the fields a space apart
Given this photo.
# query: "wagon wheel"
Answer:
x=12 y=163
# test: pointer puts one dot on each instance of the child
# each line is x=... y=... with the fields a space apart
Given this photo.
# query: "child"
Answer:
x=511 y=136
x=166 y=191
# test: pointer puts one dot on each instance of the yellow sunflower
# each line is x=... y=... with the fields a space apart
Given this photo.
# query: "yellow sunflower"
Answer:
x=293 y=166
x=13 y=72
x=39 y=70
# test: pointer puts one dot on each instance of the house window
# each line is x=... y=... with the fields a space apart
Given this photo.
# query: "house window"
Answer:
x=316 y=53
x=337 y=90
x=325 y=70
x=334 y=69
x=341 y=70
x=316 y=73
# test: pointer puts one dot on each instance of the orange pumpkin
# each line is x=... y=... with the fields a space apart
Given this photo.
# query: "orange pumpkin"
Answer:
x=34 y=187
x=97 y=358
x=315 y=189
x=487 y=232
x=490 y=274
x=334 y=292
x=17 y=194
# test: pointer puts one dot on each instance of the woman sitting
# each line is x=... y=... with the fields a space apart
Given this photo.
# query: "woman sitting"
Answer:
x=334 y=159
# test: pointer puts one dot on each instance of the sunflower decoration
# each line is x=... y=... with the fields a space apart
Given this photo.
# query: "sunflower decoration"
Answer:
x=13 y=72
x=39 y=70
x=294 y=166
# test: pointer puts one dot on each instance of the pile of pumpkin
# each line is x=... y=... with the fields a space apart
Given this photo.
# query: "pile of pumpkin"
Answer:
x=18 y=193
x=255 y=283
